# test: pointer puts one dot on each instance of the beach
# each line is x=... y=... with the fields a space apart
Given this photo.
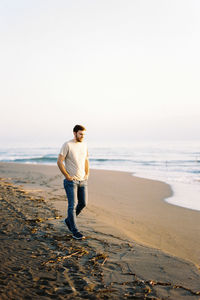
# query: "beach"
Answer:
x=137 y=245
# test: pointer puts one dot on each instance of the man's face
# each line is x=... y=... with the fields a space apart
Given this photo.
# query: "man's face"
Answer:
x=79 y=136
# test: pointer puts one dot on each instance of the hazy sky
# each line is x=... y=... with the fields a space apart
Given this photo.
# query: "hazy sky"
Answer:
x=126 y=69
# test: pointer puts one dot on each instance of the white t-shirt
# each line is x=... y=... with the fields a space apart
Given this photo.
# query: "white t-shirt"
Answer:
x=75 y=154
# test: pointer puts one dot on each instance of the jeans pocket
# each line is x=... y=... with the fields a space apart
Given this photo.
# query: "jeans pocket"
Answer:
x=84 y=182
x=68 y=182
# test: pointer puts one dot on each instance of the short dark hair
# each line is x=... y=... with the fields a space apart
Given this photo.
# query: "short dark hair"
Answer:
x=78 y=127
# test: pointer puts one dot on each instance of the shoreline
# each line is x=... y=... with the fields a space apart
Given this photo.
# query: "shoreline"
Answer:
x=181 y=191
x=127 y=219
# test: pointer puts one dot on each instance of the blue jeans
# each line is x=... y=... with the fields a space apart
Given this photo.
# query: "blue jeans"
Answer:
x=77 y=199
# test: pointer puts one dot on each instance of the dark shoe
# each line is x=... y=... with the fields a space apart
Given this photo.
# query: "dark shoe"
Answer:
x=78 y=236
x=68 y=225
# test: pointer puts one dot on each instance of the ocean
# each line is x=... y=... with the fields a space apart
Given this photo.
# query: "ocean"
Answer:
x=174 y=162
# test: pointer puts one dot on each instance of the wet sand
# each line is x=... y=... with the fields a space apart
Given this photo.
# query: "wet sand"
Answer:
x=137 y=246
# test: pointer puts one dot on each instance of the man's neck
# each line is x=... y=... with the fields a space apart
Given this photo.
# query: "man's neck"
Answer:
x=76 y=141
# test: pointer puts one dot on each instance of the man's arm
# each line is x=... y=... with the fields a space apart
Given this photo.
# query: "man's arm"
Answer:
x=86 y=167
x=62 y=168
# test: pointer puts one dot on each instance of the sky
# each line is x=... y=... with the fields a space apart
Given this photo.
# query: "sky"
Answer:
x=126 y=69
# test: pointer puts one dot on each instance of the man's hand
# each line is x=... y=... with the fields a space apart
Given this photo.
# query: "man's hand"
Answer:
x=69 y=178
x=86 y=177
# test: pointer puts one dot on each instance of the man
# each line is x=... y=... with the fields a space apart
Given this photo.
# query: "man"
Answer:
x=76 y=171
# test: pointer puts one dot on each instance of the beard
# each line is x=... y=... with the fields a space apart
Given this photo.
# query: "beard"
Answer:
x=79 y=139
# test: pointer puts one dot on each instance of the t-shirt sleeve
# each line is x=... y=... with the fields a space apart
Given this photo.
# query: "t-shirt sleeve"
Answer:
x=64 y=149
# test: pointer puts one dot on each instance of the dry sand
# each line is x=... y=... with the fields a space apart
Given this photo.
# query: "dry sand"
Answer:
x=137 y=246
